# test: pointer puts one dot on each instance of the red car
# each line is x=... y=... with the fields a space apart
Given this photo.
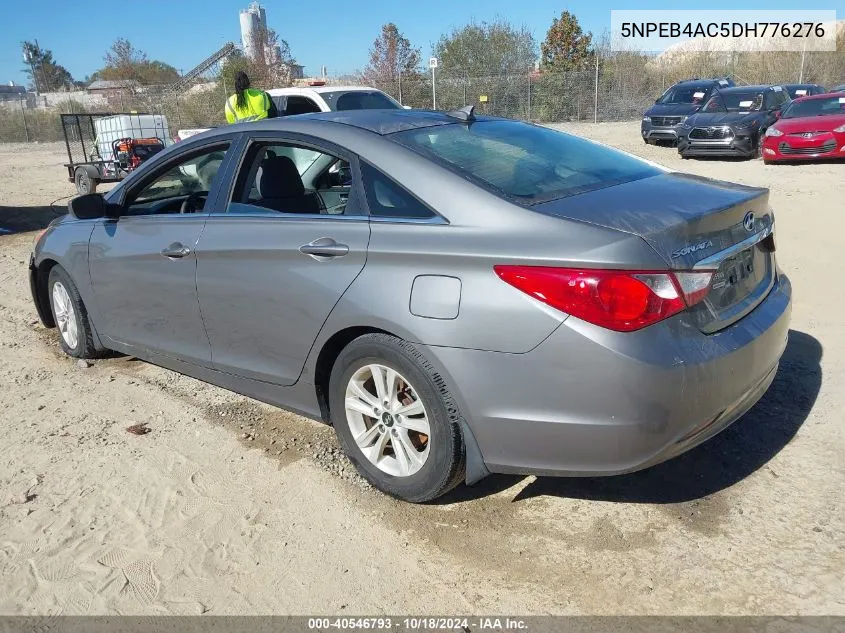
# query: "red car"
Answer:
x=809 y=128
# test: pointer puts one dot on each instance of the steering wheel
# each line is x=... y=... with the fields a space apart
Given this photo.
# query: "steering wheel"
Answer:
x=189 y=204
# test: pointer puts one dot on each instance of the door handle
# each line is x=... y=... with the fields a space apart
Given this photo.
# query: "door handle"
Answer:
x=324 y=248
x=177 y=250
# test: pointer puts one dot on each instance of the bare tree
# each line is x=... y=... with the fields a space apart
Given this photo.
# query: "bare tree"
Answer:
x=390 y=56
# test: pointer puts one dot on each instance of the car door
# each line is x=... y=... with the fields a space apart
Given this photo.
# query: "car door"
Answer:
x=143 y=264
x=273 y=262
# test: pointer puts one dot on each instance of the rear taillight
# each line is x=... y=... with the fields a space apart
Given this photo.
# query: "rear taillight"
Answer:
x=621 y=300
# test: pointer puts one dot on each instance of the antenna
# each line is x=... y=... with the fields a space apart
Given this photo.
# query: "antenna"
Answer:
x=465 y=114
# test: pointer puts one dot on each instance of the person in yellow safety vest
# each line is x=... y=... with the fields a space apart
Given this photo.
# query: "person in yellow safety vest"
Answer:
x=248 y=104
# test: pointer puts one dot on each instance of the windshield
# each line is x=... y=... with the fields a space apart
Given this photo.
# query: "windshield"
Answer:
x=735 y=102
x=524 y=161
x=815 y=107
x=684 y=95
x=359 y=100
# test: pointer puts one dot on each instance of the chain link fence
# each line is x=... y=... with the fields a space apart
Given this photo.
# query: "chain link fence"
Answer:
x=619 y=91
x=576 y=96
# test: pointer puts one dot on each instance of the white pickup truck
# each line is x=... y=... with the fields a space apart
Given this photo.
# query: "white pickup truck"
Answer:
x=290 y=101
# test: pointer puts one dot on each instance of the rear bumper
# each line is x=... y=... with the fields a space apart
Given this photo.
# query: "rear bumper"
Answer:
x=745 y=146
x=589 y=402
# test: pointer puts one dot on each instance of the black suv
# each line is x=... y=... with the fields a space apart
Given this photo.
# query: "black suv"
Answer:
x=732 y=122
x=803 y=90
x=661 y=121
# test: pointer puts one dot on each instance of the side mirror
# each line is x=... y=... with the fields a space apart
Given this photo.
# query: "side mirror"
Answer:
x=92 y=206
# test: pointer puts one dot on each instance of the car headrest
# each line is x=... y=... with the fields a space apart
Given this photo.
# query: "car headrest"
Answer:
x=279 y=178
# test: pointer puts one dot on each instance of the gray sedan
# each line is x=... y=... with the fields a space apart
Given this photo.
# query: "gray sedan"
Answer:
x=456 y=295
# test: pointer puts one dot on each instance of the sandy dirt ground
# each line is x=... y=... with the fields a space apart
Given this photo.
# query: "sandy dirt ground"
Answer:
x=229 y=506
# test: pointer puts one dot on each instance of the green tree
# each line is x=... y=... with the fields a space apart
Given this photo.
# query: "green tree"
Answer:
x=125 y=62
x=45 y=75
x=391 y=55
x=486 y=49
x=566 y=47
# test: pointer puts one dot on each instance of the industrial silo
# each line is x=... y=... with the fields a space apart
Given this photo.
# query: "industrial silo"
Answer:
x=253 y=31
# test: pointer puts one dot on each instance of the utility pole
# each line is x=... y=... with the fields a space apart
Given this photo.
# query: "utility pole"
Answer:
x=432 y=63
x=596 y=94
x=27 y=58
x=23 y=114
x=803 y=53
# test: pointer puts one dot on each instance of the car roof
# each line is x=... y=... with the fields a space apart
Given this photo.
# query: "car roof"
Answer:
x=697 y=82
x=824 y=95
x=800 y=85
x=295 y=90
x=387 y=121
x=759 y=88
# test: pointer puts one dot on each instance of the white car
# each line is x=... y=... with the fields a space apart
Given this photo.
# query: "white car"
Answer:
x=181 y=135
x=290 y=101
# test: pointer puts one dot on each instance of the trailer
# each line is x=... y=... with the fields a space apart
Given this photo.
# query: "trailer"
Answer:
x=108 y=146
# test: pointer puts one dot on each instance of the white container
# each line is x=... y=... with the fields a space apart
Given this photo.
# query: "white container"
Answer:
x=112 y=128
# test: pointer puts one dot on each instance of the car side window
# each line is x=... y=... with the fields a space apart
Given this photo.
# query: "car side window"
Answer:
x=300 y=105
x=181 y=187
x=388 y=199
x=289 y=178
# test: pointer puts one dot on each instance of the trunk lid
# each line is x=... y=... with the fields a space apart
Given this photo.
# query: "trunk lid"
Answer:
x=693 y=223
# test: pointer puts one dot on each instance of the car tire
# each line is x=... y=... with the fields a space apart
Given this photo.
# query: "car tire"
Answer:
x=438 y=461
x=85 y=184
x=76 y=336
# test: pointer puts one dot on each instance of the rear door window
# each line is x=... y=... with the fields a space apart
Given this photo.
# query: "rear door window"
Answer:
x=300 y=105
x=280 y=177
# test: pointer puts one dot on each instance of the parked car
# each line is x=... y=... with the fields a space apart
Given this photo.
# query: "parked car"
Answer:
x=809 y=128
x=186 y=133
x=840 y=88
x=803 y=90
x=456 y=295
x=661 y=121
x=732 y=122
x=291 y=101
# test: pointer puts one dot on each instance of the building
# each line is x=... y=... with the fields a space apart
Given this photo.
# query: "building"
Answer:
x=113 y=89
x=12 y=92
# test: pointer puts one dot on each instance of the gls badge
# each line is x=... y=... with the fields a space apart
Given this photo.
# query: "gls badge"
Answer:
x=691 y=248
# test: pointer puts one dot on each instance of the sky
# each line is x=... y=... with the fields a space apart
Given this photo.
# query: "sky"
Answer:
x=332 y=33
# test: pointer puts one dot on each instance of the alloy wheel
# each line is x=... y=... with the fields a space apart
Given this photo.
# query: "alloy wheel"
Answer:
x=388 y=421
x=65 y=315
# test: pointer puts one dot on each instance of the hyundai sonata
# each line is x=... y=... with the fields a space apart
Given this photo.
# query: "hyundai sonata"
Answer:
x=456 y=295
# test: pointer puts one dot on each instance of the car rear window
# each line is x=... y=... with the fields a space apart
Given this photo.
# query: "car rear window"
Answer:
x=359 y=100
x=525 y=162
